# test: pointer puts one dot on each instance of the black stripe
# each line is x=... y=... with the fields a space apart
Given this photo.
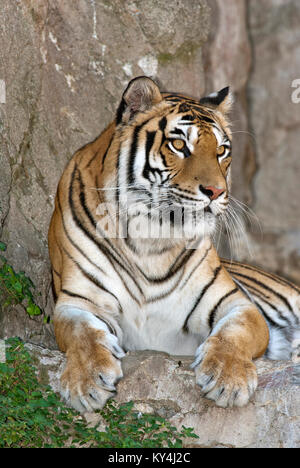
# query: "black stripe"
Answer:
x=167 y=293
x=245 y=291
x=197 y=266
x=188 y=117
x=120 y=111
x=94 y=224
x=264 y=286
x=83 y=200
x=195 y=105
x=178 y=131
x=262 y=298
x=104 y=156
x=179 y=96
x=179 y=193
x=150 y=136
x=108 y=253
x=173 y=99
x=212 y=313
x=71 y=294
x=175 y=267
x=184 y=107
x=164 y=163
x=117 y=192
x=254 y=289
x=208 y=285
x=55 y=296
x=266 y=316
x=162 y=124
x=149 y=142
x=186 y=152
x=71 y=240
x=207 y=119
x=91 y=278
x=275 y=278
x=109 y=325
x=133 y=148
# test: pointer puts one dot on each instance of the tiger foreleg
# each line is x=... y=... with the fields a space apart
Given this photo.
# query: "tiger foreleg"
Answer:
x=223 y=364
x=93 y=358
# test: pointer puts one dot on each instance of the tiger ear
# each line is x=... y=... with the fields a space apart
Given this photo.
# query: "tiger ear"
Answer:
x=221 y=101
x=140 y=95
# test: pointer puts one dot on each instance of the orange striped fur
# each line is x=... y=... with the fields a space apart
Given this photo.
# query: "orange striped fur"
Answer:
x=115 y=294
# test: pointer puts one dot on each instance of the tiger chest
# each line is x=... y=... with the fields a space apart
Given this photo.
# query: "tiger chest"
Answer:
x=158 y=323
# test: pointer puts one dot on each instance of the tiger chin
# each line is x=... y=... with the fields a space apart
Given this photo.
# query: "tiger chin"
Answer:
x=133 y=262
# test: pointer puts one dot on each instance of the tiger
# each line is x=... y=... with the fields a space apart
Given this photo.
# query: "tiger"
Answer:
x=127 y=290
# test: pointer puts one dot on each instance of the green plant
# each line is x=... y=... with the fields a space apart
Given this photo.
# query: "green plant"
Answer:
x=125 y=428
x=16 y=288
x=32 y=415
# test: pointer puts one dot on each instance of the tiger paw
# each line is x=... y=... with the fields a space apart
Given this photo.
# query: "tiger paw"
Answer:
x=224 y=374
x=93 y=368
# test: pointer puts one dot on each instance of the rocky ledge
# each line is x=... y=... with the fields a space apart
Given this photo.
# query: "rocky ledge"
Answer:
x=165 y=385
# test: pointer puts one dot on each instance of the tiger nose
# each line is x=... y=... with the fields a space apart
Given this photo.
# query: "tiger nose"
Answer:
x=211 y=192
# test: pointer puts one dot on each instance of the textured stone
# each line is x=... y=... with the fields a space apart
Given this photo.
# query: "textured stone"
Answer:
x=228 y=51
x=14 y=321
x=275 y=121
x=227 y=58
x=165 y=385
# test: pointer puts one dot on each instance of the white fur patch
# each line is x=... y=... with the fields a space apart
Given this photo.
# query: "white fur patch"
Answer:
x=234 y=312
x=218 y=134
x=279 y=347
x=79 y=315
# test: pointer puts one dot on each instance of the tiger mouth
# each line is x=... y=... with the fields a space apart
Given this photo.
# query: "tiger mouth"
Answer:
x=185 y=203
x=206 y=209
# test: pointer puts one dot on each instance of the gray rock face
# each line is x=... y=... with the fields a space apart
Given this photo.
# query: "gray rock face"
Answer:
x=275 y=122
x=165 y=385
x=65 y=67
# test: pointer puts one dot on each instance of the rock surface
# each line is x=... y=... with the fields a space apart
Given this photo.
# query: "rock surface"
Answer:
x=275 y=38
x=165 y=385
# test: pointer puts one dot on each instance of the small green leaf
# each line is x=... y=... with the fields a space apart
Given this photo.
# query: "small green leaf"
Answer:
x=18 y=287
x=33 y=310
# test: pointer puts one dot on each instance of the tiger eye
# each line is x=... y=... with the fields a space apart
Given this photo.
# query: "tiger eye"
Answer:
x=178 y=144
x=221 y=150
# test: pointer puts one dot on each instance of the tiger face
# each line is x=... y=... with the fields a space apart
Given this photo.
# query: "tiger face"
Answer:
x=174 y=158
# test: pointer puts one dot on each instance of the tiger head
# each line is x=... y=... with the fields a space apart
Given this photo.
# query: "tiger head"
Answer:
x=175 y=152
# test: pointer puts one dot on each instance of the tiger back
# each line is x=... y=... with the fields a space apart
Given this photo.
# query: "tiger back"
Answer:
x=133 y=262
